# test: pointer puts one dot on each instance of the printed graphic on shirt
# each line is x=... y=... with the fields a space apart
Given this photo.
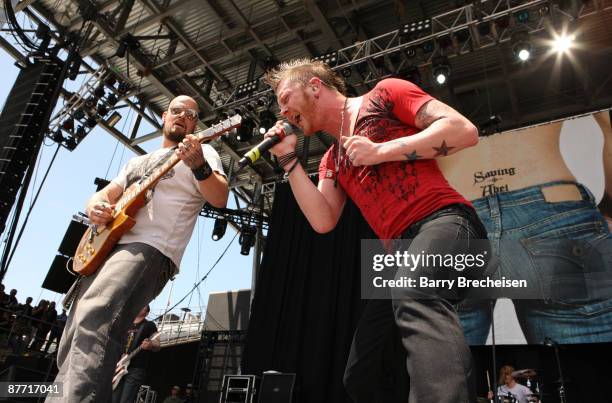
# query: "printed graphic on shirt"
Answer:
x=141 y=167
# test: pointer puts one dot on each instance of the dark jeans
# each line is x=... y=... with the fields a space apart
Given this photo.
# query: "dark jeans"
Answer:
x=128 y=388
x=439 y=361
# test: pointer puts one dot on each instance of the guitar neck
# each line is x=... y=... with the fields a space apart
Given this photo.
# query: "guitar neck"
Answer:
x=202 y=135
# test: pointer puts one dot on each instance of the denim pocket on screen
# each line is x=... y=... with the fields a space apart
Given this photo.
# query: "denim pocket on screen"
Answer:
x=575 y=270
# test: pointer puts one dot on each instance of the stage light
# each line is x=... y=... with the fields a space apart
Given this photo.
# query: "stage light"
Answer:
x=245 y=131
x=247 y=88
x=102 y=109
x=521 y=45
x=346 y=72
x=123 y=88
x=562 y=43
x=113 y=119
x=71 y=143
x=416 y=29
x=441 y=69
x=91 y=122
x=247 y=239
x=112 y=99
x=79 y=114
x=58 y=137
x=99 y=91
x=522 y=16
x=266 y=120
x=330 y=58
x=219 y=229
x=68 y=124
x=110 y=80
x=428 y=47
x=91 y=102
x=80 y=133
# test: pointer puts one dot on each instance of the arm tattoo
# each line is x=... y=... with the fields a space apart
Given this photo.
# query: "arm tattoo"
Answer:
x=428 y=114
x=442 y=150
x=413 y=156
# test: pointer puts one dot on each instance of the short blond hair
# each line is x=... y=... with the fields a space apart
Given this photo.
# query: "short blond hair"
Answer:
x=302 y=70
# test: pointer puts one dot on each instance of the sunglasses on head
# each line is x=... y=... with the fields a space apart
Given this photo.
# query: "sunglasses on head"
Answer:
x=190 y=114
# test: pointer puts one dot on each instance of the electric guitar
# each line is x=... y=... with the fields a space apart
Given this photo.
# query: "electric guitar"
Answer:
x=124 y=362
x=98 y=241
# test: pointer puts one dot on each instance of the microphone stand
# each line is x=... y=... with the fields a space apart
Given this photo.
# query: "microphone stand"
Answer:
x=492 y=307
x=551 y=343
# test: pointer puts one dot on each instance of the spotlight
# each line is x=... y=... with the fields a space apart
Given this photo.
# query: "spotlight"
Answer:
x=247 y=88
x=245 y=131
x=562 y=43
x=113 y=119
x=80 y=133
x=247 y=239
x=441 y=69
x=346 y=72
x=120 y=52
x=111 y=99
x=123 y=88
x=91 y=122
x=74 y=68
x=219 y=229
x=99 y=91
x=522 y=16
x=331 y=58
x=521 y=46
x=79 y=114
x=416 y=29
x=266 y=121
x=58 y=137
x=90 y=102
x=102 y=109
x=68 y=124
x=428 y=47
x=110 y=80
x=71 y=143
x=263 y=101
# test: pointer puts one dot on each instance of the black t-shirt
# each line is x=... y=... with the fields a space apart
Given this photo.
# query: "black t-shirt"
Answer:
x=136 y=334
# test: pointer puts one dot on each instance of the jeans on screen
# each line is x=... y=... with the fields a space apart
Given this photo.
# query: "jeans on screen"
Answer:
x=565 y=249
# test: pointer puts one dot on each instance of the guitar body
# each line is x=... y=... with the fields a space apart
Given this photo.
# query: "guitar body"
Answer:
x=94 y=248
x=121 y=370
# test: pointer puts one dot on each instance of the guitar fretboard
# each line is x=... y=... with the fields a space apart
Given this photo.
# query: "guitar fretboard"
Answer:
x=203 y=135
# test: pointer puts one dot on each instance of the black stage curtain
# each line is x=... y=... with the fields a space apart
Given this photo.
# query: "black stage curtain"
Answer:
x=307 y=302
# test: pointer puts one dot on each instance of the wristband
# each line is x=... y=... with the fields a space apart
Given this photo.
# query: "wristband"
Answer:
x=202 y=172
x=286 y=176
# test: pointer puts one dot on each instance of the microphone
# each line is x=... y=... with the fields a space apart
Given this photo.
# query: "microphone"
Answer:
x=255 y=152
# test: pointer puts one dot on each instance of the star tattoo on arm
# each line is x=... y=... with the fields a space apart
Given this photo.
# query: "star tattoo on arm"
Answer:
x=442 y=150
x=413 y=156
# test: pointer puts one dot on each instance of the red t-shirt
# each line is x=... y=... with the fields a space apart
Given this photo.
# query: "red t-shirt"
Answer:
x=392 y=195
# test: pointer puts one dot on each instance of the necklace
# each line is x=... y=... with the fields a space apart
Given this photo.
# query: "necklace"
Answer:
x=339 y=151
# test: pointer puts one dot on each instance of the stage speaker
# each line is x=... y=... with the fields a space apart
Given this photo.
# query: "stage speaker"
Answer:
x=276 y=388
x=72 y=237
x=228 y=310
x=60 y=276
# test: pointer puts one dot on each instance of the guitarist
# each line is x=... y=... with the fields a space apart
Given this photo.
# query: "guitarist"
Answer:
x=144 y=259
x=138 y=334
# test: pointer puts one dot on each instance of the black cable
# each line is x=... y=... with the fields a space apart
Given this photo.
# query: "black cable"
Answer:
x=201 y=280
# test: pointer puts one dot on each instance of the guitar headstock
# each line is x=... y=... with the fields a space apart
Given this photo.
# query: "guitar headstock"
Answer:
x=219 y=128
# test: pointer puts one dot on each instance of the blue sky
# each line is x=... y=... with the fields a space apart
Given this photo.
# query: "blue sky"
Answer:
x=67 y=188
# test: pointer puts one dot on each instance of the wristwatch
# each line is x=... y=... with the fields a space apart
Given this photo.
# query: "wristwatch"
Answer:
x=202 y=172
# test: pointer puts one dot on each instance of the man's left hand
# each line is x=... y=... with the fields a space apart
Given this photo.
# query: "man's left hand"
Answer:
x=361 y=150
x=190 y=151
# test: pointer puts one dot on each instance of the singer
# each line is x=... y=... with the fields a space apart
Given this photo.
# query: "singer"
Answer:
x=384 y=160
